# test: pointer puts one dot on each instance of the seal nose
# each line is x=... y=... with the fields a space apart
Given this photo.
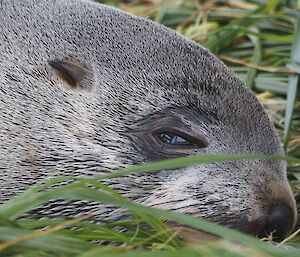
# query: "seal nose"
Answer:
x=280 y=221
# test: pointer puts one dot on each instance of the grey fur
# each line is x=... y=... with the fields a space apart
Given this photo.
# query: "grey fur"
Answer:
x=140 y=74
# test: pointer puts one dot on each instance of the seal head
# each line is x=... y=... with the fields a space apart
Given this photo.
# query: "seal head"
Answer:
x=87 y=89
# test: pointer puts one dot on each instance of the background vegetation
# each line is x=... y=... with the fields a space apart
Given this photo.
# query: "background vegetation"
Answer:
x=260 y=41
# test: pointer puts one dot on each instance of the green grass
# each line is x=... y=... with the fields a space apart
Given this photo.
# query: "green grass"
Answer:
x=259 y=40
x=146 y=232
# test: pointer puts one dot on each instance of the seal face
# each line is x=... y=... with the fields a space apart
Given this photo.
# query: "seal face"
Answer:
x=87 y=89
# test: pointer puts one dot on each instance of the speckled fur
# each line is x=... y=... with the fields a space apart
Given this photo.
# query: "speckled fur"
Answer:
x=140 y=71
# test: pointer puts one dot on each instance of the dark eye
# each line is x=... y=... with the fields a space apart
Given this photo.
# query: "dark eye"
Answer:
x=173 y=139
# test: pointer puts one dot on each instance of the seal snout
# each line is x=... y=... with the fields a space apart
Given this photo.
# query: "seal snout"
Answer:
x=279 y=222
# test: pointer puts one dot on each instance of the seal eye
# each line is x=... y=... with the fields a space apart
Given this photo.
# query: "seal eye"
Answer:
x=165 y=137
x=173 y=139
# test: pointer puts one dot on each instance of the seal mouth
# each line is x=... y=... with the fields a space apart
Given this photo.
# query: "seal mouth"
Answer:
x=192 y=235
x=243 y=224
x=252 y=228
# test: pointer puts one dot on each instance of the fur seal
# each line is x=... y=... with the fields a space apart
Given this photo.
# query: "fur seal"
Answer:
x=86 y=89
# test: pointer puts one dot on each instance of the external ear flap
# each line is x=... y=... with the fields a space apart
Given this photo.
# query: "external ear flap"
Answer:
x=75 y=75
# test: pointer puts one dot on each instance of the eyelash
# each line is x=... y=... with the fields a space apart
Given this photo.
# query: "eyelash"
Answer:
x=173 y=139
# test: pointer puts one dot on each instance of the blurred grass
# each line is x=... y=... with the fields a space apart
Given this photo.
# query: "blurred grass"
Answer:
x=260 y=42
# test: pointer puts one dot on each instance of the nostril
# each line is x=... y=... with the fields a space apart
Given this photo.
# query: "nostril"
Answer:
x=279 y=222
